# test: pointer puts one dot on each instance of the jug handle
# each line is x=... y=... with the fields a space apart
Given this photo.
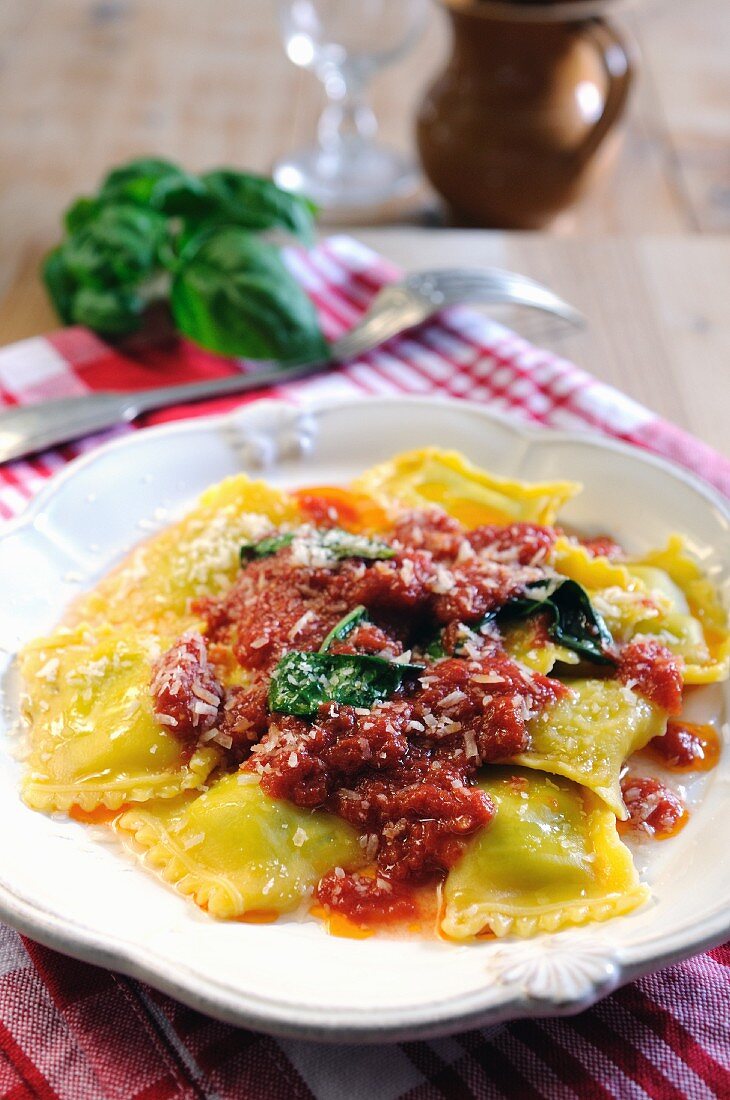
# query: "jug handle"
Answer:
x=619 y=59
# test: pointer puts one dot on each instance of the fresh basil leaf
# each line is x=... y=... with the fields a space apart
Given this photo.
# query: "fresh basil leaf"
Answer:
x=233 y=295
x=344 y=627
x=302 y=682
x=183 y=196
x=116 y=248
x=265 y=547
x=255 y=202
x=80 y=212
x=575 y=623
x=136 y=181
x=108 y=311
x=60 y=284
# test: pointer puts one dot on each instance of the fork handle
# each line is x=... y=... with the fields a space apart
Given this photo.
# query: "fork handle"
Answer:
x=29 y=428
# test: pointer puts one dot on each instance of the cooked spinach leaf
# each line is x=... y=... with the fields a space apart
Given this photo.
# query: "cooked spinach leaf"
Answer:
x=574 y=622
x=344 y=627
x=265 y=547
x=302 y=682
x=340 y=544
x=330 y=545
x=435 y=649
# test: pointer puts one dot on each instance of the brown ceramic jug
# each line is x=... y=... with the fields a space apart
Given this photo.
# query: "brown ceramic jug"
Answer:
x=522 y=120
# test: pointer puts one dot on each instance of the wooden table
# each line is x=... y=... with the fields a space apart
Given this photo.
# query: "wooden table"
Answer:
x=86 y=83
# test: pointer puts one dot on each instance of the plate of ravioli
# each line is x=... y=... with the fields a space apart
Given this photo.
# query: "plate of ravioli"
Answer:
x=373 y=719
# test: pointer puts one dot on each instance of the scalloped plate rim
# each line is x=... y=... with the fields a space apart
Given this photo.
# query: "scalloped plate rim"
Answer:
x=424 y=1018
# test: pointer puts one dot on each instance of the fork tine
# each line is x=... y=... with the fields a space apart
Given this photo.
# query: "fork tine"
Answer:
x=506 y=286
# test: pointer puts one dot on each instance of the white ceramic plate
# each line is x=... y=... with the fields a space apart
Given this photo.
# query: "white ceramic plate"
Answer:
x=61 y=885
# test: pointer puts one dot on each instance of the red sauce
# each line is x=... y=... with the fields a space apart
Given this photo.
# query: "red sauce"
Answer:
x=526 y=543
x=686 y=747
x=655 y=672
x=431 y=530
x=603 y=547
x=186 y=694
x=366 y=899
x=403 y=773
x=654 y=808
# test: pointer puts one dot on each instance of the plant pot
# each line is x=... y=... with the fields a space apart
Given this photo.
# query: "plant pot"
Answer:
x=523 y=119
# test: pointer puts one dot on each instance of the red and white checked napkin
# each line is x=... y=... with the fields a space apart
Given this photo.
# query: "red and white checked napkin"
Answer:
x=74 y=1032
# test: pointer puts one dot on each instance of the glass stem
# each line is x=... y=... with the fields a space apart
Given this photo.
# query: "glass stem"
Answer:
x=347 y=123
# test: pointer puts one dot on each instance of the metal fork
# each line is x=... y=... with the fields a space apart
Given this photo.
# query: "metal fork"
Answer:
x=395 y=309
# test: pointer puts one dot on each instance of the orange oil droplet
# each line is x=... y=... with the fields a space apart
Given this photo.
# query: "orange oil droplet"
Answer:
x=677 y=827
x=259 y=916
x=339 y=925
x=332 y=504
x=100 y=816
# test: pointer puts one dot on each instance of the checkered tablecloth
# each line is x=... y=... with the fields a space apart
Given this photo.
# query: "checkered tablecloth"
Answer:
x=74 y=1032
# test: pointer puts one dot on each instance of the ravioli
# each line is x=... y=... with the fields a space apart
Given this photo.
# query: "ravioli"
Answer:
x=695 y=623
x=591 y=570
x=94 y=738
x=445 y=478
x=195 y=557
x=235 y=850
x=527 y=643
x=550 y=858
x=588 y=736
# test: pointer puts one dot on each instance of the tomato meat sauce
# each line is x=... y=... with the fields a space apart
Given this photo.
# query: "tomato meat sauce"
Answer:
x=402 y=770
x=654 y=808
x=686 y=747
x=655 y=672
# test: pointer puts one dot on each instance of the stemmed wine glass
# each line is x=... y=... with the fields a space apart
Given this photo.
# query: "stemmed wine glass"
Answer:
x=345 y=42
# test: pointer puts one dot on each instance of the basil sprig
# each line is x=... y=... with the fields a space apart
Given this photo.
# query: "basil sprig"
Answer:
x=302 y=682
x=156 y=233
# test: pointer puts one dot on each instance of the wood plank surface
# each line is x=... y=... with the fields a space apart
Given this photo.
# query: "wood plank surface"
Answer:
x=85 y=83
x=657 y=309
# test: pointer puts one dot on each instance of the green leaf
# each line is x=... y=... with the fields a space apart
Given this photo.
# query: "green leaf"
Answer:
x=183 y=196
x=344 y=627
x=265 y=547
x=233 y=295
x=435 y=649
x=575 y=623
x=137 y=181
x=333 y=545
x=80 y=212
x=302 y=682
x=255 y=202
x=118 y=247
x=340 y=544
x=60 y=284
x=110 y=312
